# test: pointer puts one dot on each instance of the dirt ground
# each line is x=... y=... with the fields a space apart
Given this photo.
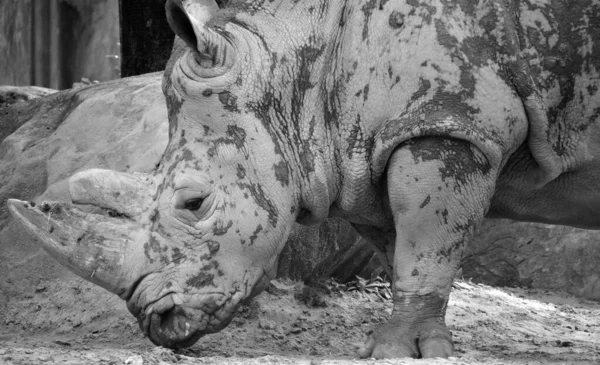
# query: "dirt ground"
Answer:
x=72 y=324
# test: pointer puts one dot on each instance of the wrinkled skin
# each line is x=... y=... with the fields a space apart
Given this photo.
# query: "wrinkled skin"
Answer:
x=411 y=119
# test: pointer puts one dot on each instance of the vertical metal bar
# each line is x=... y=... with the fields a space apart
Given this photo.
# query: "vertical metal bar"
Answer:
x=40 y=43
x=54 y=45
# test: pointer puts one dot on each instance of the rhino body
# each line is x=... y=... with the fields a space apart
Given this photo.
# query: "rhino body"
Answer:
x=410 y=119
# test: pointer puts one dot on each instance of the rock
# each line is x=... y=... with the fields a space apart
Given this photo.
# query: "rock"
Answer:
x=40 y=288
x=266 y=324
x=277 y=287
x=15 y=94
x=134 y=360
x=508 y=253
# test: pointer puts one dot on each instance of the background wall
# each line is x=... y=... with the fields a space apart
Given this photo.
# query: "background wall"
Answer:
x=54 y=43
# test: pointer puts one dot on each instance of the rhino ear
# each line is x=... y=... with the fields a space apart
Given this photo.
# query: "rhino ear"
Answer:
x=189 y=19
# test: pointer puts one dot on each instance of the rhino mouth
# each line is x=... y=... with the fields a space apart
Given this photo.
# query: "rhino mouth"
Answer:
x=174 y=321
x=178 y=320
x=169 y=325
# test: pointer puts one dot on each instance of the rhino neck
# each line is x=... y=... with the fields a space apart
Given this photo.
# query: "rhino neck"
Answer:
x=333 y=164
x=352 y=104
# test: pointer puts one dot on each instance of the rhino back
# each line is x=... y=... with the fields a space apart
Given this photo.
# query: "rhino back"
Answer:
x=401 y=70
x=519 y=80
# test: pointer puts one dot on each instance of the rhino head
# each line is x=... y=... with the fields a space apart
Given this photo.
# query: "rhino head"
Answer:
x=187 y=244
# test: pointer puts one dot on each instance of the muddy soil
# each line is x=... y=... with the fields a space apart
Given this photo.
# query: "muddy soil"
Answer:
x=79 y=324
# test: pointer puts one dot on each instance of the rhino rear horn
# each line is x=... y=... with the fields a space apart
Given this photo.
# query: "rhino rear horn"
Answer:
x=126 y=193
x=189 y=19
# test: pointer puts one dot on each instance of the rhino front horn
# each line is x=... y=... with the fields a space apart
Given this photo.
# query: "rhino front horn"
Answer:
x=189 y=19
x=98 y=248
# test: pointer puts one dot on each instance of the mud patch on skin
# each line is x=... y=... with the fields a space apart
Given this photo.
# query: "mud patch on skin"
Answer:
x=254 y=235
x=235 y=136
x=220 y=229
x=229 y=101
x=213 y=246
x=177 y=256
x=368 y=10
x=241 y=172
x=396 y=19
x=157 y=226
x=460 y=160
x=201 y=280
x=282 y=173
x=174 y=104
x=152 y=248
x=262 y=201
x=424 y=86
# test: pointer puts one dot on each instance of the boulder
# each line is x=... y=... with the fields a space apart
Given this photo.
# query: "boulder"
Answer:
x=15 y=94
x=508 y=253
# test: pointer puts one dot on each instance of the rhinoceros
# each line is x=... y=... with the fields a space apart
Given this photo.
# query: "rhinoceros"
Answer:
x=410 y=119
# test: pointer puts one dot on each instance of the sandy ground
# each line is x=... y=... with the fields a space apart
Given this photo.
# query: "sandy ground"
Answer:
x=489 y=325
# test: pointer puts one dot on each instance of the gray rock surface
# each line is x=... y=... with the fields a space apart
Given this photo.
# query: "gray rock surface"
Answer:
x=508 y=253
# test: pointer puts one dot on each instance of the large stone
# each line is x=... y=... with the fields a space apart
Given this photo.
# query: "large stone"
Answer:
x=508 y=253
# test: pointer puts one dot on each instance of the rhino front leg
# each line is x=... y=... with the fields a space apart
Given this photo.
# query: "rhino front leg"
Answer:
x=438 y=188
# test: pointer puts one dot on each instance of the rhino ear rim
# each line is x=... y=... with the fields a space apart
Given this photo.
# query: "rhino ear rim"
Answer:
x=189 y=19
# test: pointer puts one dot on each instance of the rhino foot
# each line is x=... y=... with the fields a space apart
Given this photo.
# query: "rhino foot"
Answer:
x=396 y=340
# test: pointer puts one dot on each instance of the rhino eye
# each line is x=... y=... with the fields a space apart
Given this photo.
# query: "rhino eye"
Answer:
x=193 y=204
